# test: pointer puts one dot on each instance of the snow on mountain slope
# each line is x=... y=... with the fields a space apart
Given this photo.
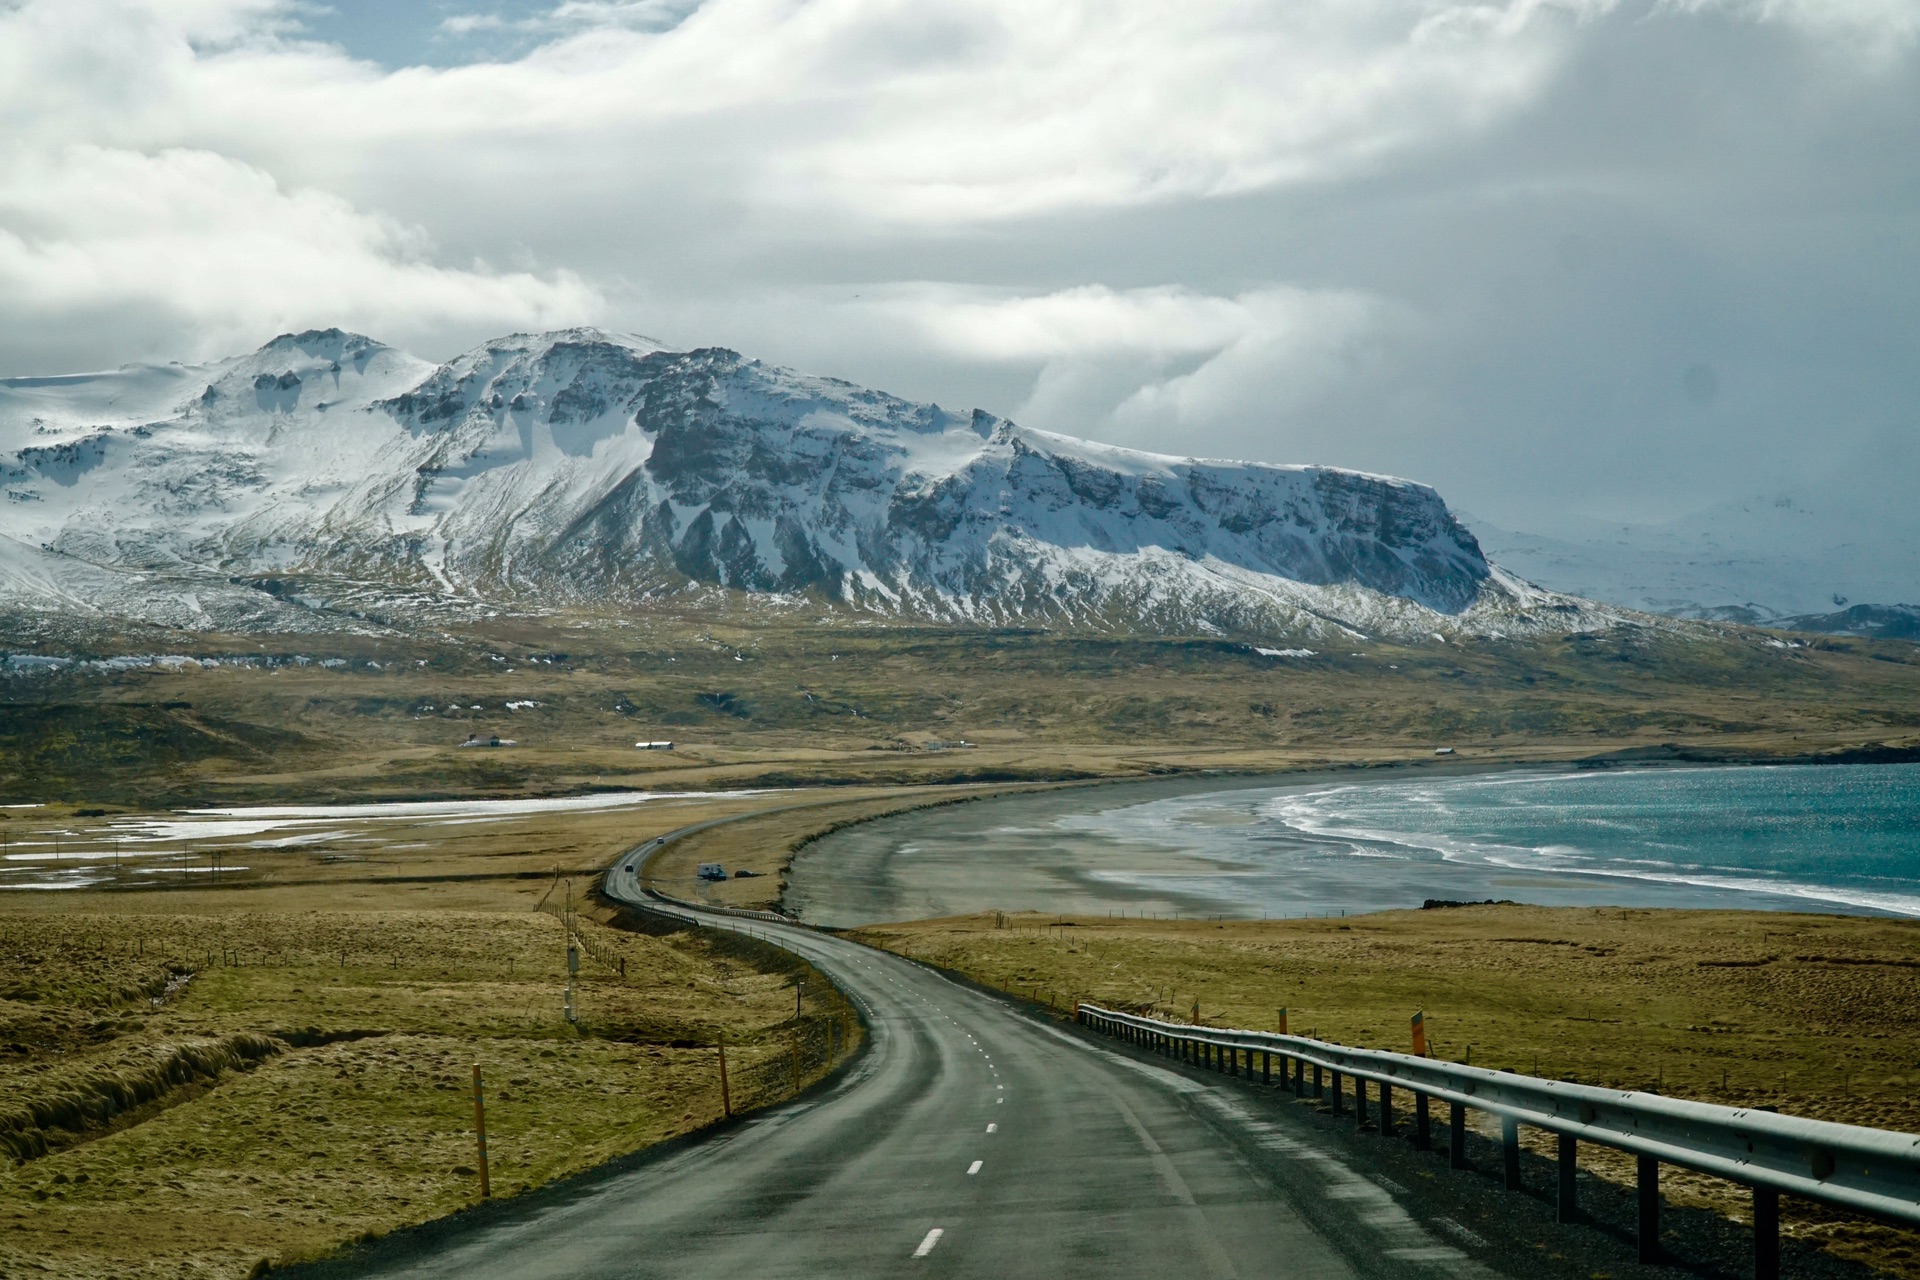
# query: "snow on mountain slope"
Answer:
x=597 y=467
x=1803 y=553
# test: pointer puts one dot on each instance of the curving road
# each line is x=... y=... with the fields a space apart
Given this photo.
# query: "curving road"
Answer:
x=972 y=1140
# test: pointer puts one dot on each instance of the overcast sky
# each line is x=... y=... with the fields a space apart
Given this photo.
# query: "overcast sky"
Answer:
x=1620 y=260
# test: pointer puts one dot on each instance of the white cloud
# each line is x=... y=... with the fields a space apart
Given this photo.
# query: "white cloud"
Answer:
x=930 y=110
x=1883 y=28
x=1091 y=322
x=1165 y=368
x=218 y=248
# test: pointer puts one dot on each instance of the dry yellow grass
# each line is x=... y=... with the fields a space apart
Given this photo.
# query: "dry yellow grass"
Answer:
x=789 y=698
x=347 y=1110
x=1816 y=1015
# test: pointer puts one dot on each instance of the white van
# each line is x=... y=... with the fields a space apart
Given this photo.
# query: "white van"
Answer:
x=711 y=871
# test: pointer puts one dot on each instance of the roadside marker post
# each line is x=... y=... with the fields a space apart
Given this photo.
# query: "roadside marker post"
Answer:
x=480 y=1133
x=726 y=1098
x=1419 y=1035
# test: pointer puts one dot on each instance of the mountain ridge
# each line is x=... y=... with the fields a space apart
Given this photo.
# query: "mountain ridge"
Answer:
x=589 y=467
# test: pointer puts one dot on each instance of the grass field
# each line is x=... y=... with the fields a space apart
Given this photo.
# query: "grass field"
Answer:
x=1814 y=1015
x=788 y=701
x=187 y=1094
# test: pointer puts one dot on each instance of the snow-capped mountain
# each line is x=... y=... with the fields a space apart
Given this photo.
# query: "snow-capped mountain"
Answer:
x=587 y=466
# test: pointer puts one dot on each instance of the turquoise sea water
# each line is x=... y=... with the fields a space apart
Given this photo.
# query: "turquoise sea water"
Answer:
x=1809 y=838
x=1830 y=837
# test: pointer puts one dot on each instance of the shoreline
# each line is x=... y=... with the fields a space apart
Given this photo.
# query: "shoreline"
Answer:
x=1051 y=852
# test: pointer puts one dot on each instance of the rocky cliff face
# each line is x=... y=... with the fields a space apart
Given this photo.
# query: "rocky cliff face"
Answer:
x=596 y=467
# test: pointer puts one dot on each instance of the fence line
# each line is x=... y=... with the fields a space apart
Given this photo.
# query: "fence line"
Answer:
x=1870 y=1171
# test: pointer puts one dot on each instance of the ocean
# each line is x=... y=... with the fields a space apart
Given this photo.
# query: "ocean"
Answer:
x=1842 y=838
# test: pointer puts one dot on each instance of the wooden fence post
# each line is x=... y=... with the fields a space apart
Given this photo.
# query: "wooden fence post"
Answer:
x=480 y=1133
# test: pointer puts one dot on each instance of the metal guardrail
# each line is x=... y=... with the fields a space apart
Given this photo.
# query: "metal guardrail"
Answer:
x=1870 y=1171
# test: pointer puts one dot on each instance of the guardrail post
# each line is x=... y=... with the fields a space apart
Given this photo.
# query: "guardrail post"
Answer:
x=1649 y=1198
x=1299 y=1077
x=1386 y=1109
x=1319 y=1089
x=1566 y=1207
x=1766 y=1234
x=1456 y=1136
x=1360 y=1100
x=1336 y=1087
x=1422 y=1129
x=1510 y=1152
x=1266 y=1067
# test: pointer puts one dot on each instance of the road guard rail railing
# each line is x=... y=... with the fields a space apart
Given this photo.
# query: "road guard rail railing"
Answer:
x=1870 y=1171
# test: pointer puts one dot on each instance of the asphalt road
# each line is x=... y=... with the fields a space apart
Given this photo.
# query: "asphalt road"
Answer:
x=972 y=1140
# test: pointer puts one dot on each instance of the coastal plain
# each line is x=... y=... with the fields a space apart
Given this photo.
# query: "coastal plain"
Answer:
x=282 y=1010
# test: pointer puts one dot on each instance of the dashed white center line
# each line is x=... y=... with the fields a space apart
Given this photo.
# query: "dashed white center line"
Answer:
x=974 y=1167
x=926 y=1245
x=992 y=1127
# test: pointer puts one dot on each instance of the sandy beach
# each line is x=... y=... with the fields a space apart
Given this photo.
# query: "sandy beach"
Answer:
x=1351 y=842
